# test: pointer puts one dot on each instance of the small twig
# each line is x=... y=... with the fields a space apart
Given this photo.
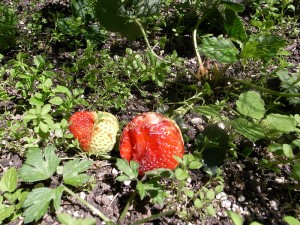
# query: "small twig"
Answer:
x=155 y=216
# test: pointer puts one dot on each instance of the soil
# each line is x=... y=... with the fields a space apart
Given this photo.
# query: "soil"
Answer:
x=257 y=193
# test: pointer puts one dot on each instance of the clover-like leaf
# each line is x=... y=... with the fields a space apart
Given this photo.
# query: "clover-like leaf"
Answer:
x=39 y=165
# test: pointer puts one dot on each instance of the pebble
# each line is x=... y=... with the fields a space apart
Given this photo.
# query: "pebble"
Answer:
x=241 y=198
x=196 y=121
x=221 y=196
x=127 y=182
x=226 y=204
x=114 y=171
x=82 y=195
x=273 y=205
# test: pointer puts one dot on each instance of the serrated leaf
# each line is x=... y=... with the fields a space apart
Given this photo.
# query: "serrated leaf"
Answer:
x=39 y=165
x=236 y=218
x=195 y=165
x=130 y=170
x=38 y=200
x=141 y=189
x=282 y=123
x=220 y=49
x=290 y=83
x=9 y=180
x=262 y=46
x=251 y=104
x=234 y=26
x=73 y=172
x=146 y=8
x=66 y=219
x=250 y=130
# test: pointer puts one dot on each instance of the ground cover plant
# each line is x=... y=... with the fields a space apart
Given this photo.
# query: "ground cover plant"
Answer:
x=190 y=111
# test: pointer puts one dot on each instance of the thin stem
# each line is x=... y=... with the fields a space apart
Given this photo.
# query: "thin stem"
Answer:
x=155 y=216
x=195 y=43
x=91 y=207
x=125 y=210
x=282 y=94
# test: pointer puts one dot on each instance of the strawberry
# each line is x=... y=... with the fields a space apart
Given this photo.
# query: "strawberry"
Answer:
x=151 y=139
x=96 y=132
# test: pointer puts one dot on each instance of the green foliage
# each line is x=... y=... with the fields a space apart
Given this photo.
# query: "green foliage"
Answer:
x=290 y=83
x=8 y=27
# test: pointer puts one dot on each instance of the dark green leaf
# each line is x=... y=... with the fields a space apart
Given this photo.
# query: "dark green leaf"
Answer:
x=113 y=16
x=233 y=6
x=220 y=49
x=39 y=165
x=234 y=26
x=9 y=180
x=73 y=172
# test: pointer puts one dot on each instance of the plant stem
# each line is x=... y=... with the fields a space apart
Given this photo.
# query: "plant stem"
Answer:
x=125 y=210
x=91 y=207
x=155 y=216
x=282 y=94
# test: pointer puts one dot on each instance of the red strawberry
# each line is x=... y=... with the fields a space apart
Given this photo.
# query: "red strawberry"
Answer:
x=152 y=140
x=96 y=132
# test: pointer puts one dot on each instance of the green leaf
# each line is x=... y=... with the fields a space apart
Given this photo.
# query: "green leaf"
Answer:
x=255 y=223
x=251 y=104
x=233 y=6
x=291 y=220
x=250 y=130
x=220 y=49
x=262 y=46
x=9 y=180
x=198 y=203
x=73 y=172
x=181 y=174
x=234 y=26
x=6 y=212
x=39 y=165
x=56 y=101
x=208 y=110
x=141 y=189
x=38 y=200
x=131 y=171
x=39 y=61
x=282 y=123
x=236 y=218
x=35 y=101
x=194 y=165
x=296 y=171
x=29 y=116
x=146 y=8
x=288 y=151
x=66 y=219
x=45 y=109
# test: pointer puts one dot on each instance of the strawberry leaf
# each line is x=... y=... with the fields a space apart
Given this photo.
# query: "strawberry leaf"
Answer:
x=73 y=172
x=38 y=200
x=39 y=165
x=250 y=130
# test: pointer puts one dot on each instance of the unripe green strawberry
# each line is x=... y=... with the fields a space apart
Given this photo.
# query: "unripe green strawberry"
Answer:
x=96 y=132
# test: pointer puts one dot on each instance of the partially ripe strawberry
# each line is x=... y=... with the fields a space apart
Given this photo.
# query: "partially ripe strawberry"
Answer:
x=151 y=139
x=96 y=132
